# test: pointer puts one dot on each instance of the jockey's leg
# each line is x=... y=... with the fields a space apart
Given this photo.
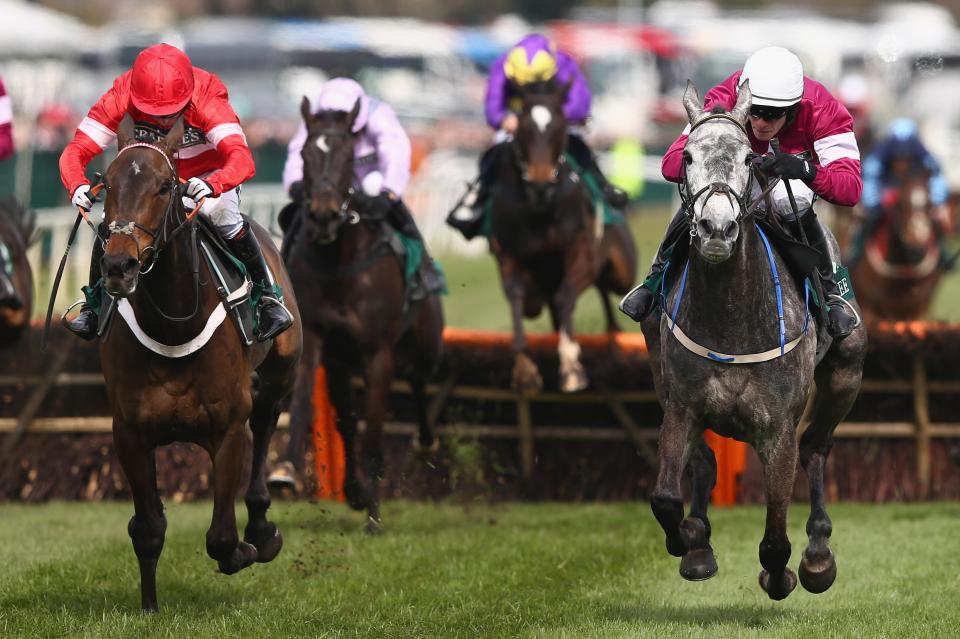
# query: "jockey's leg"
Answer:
x=577 y=147
x=859 y=241
x=85 y=324
x=272 y=316
x=638 y=303
x=840 y=320
x=430 y=280
x=468 y=214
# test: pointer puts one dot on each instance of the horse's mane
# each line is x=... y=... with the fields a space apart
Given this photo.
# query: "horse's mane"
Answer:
x=717 y=109
x=22 y=218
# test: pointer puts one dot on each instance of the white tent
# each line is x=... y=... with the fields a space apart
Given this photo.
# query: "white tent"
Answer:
x=34 y=31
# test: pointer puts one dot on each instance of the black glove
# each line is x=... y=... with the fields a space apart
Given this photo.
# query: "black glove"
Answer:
x=789 y=167
x=296 y=191
x=380 y=205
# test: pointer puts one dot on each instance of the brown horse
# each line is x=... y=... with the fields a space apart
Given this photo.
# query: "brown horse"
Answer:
x=899 y=271
x=357 y=317
x=549 y=242
x=204 y=397
x=16 y=292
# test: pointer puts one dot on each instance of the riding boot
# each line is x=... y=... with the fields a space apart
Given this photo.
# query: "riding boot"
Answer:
x=584 y=157
x=840 y=321
x=638 y=303
x=272 y=316
x=427 y=279
x=467 y=215
x=859 y=242
x=84 y=325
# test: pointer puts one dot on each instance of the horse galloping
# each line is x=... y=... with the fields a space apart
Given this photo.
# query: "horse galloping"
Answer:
x=549 y=242
x=357 y=316
x=151 y=264
x=729 y=281
x=16 y=277
x=897 y=275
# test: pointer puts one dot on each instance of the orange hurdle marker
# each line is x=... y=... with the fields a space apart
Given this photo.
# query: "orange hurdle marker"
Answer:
x=731 y=462
x=327 y=444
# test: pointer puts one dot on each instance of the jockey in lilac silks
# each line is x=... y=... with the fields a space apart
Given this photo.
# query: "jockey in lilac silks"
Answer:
x=381 y=167
x=533 y=60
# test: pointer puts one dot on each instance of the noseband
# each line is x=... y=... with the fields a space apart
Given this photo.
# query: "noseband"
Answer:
x=159 y=234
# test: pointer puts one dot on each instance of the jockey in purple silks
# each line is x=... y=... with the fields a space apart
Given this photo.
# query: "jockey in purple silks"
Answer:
x=381 y=167
x=533 y=60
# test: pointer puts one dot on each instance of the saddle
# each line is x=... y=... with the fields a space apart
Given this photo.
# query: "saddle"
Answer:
x=231 y=283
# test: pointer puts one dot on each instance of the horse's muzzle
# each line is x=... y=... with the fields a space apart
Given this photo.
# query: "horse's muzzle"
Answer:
x=120 y=274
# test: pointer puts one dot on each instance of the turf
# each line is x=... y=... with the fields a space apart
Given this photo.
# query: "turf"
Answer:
x=449 y=570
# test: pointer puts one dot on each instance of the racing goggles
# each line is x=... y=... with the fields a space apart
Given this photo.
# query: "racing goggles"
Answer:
x=768 y=113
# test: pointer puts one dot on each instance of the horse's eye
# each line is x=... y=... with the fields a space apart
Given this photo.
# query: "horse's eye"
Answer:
x=165 y=188
x=687 y=159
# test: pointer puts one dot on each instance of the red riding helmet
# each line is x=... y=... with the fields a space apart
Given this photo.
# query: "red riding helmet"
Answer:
x=162 y=80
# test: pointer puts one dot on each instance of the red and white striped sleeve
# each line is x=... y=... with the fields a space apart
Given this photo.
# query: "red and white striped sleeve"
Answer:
x=96 y=132
x=222 y=129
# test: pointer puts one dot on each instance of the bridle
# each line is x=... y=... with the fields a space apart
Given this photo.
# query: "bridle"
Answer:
x=524 y=170
x=739 y=201
x=345 y=214
x=161 y=235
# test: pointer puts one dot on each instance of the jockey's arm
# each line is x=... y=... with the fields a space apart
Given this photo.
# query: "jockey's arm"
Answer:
x=495 y=102
x=6 y=124
x=293 y=167
x=725 y=95
x=96 y=131
x=221 y=126
x=576 y=108
x=393 y=149
x=838 y=177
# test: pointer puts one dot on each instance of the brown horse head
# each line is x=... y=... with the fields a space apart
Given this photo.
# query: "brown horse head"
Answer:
x=142 y=195
x=542 y=136
x=912 y=216
x=328 y=170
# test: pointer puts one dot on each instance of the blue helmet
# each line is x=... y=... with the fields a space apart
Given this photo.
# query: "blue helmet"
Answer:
x=904 y=139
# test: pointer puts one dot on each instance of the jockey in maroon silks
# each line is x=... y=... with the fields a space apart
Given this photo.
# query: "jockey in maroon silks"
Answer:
x=214 y=159
x=818 y=154
x=6 y=124
x=533 y=60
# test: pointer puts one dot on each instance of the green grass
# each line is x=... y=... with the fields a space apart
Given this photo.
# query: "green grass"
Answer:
x=512 y=570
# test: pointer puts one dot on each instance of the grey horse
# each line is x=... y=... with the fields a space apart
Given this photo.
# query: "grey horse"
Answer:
x=728 y=304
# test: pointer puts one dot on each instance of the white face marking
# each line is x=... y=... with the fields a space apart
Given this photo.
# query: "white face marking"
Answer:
x=322 y=144
x=541 y=117
x=136 y=168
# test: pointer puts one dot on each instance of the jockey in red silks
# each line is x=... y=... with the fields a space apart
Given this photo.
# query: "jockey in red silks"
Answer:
x=6 y=124
x=531 y=61
x=214 y=158
x=818 y=154
x=381 y=168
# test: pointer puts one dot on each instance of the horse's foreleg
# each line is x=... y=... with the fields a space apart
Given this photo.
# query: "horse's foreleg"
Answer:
x=290 y=467
x=573 y=377
x=379 y=373
x=261 y=533
x=525 y=377
x=699 y=563
x=341 y=396
x=779 y=457
x=223 y=543
x=426 y=441
x=148 y=525
x=667 y=499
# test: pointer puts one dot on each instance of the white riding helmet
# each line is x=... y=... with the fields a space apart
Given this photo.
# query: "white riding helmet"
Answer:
x=776 y=77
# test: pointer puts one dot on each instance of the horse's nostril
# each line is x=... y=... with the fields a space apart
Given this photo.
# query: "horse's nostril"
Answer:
x=130 y=266
x=730 y=230
x=706 y=227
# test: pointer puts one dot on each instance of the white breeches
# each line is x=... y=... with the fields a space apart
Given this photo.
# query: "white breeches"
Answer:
x=223 y=212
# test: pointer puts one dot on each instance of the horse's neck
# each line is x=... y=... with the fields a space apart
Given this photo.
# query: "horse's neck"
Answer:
x=732 y=306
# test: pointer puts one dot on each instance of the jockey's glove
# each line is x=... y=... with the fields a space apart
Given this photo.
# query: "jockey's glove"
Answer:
x=82 y=198
x=789 y=167
x=296 y=191
x=198 y=188
x=380 y=205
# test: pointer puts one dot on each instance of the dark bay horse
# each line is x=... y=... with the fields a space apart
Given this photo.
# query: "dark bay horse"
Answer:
x=16 y=292
x=725 y=302
x=898 y=274
x=549 y=242
x=355 y=313
x=204 y=397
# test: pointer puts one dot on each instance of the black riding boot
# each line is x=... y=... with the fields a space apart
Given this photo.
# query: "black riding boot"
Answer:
x=577 y=147
x=638 y=303
x=428 y=279
x=272 y=316
x=467 y=215
x=840 y=322
x=85 y=324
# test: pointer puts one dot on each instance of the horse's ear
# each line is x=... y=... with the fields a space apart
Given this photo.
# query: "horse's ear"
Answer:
x=126 y=132
x=306 y=111
x=174 y=137
x=354 y=112
x=744 y=99
x=691 y=102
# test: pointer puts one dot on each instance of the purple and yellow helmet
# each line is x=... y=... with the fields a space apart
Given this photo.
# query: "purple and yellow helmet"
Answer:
x=526 y=64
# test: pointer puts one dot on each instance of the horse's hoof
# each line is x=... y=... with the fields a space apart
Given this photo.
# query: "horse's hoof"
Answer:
x=425 y=452
x=817 y=575
x=574 y=382
x=283 y=480
x=698 y=565
x=374 y=527
x=355 y=495
x=526 y=378
x=778 y=590
x=269 y=548
x=243 y=555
